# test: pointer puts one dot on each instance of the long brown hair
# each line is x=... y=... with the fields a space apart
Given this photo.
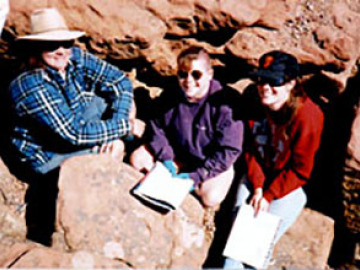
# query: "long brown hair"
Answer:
x=285 y=116
x=31 y=57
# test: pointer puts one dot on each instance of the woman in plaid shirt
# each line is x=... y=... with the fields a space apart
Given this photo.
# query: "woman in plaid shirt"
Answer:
x=68 y=103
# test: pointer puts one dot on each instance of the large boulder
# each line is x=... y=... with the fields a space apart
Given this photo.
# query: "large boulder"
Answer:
x=15 y=254
x=98 y=214
x=12 y=205
x=307 y=244
x=353 y=148
x=12 y=250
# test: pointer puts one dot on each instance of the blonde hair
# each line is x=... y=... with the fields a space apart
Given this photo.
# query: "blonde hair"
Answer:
x=190 y=54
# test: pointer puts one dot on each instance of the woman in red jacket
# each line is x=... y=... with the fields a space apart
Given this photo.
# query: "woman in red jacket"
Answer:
x=282 y=146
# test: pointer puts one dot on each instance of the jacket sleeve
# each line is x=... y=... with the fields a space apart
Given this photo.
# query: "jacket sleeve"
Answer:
x=47 y=107
x=306 y=142
x=255 y=172
x=111 y=83
x=227 y=147
x=159 y=143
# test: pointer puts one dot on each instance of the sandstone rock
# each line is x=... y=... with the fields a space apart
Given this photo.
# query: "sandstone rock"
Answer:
x=322 y=34
x=307 y=32
x=250 y=44
x=48 y=258
x=243 y=12
x=15 y=254
x=208 y=16
x=241 y=85
x=114 y=26
x=277 y=13
x=163 y=58
x=97 y=213
x=353 y=148
x=177 y=15
x=12 y=250
x=11 y=224
x=12 y=205
x=12 y=191
x=340 y=45
x=347 y=19
x=340 y=79
x=306 y=245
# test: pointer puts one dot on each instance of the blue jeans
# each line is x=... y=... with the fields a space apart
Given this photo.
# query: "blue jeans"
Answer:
x=288 y=208
x=95 y=111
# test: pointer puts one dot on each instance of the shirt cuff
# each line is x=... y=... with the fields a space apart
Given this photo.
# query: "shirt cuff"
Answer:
x=195 y=177
x=268 y=195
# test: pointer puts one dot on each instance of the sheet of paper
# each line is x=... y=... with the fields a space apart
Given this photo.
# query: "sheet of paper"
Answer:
x=159 y=185
x=252 y=238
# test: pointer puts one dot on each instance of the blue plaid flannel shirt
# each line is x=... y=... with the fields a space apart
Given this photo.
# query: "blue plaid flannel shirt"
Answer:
x=48 y=109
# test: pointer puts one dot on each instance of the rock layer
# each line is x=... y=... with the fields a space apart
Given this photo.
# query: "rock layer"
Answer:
x=149 y=34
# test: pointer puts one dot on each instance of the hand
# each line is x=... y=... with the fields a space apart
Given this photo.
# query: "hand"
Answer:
x=258 y=201
x=170 y=165
x=132 y=114
x=137 y=127
x=116 y=148
x=132 y=117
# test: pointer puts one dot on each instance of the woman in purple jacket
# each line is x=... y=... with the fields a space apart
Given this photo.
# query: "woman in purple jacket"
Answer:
x=197 y=136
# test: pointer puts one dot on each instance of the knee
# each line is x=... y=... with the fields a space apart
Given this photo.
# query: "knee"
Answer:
x=141 y=159
x=303 y=198
x=214 y=191
x=212 y=198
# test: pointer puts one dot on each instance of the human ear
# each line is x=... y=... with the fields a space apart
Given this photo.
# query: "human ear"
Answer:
x=211 y=73
x=292 y=84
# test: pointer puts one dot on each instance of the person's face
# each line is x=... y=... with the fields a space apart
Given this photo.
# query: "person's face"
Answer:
x=194 y=80
x=4 y=10
x=57 y=54
x=274 y=97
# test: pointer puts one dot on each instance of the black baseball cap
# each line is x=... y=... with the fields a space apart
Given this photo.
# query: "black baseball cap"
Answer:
x=276 y=68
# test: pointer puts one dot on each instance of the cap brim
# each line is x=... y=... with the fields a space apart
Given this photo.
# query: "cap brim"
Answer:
x=59 y=35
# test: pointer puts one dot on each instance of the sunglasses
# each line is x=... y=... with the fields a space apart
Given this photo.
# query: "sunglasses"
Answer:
x=196 y=74
x=50 y=46
x=274 y=82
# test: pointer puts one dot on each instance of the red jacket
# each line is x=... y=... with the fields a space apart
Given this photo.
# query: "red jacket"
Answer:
x=281 y=164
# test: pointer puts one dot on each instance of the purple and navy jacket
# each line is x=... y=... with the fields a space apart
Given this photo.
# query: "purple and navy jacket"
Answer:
x=205 y=137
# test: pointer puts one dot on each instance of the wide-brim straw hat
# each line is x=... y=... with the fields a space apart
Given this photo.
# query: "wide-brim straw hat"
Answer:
x=47 y=24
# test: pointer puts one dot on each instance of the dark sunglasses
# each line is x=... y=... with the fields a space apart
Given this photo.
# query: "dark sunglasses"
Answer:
x=274 y=82
x=196 y=74
x=50 y=46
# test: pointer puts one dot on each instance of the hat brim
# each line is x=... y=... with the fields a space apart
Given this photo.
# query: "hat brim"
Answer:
x=268 y=76
x=59 y=35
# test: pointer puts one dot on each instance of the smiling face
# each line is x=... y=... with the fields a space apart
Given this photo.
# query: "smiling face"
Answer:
x=57 y=54
x=194 y=78
x=274 y=97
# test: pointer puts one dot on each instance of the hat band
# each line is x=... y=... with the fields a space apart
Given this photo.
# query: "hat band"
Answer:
x=50 y=30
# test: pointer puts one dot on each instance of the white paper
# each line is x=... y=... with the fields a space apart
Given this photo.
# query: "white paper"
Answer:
x=160 y=188
x=251 y=238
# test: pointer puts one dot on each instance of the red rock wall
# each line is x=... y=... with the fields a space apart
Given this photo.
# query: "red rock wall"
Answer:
x=322 y=34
